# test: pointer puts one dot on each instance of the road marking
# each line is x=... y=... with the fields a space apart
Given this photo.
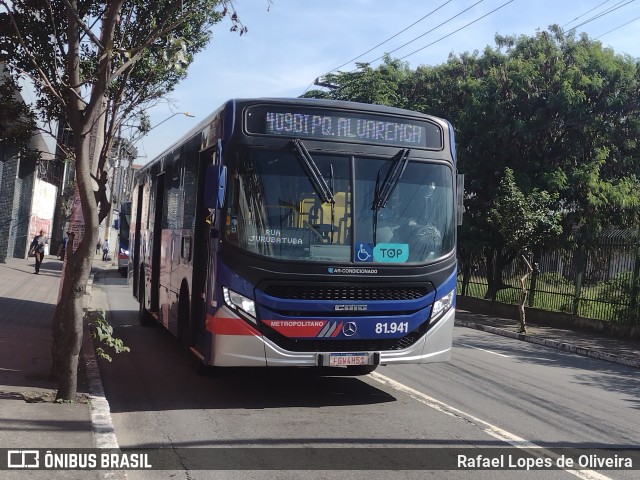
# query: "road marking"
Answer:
x=488 y=351
x=488 y=428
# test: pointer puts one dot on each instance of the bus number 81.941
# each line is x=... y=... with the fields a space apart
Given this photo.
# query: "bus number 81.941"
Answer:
x=392 y=327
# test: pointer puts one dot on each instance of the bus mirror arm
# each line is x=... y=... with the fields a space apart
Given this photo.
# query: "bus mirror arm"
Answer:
x=215 y=186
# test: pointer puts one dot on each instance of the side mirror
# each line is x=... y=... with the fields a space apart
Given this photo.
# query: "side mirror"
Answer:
x=460 y=195
x=211 y=187
x=222 y=186
x=215 y=183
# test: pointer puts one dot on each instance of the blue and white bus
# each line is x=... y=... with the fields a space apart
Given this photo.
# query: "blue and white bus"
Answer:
x=301 y=233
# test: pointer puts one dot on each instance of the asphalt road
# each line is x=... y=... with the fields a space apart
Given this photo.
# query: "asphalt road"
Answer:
x=496 y=392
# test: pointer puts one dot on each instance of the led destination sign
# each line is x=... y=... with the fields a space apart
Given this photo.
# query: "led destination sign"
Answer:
x=341 y=126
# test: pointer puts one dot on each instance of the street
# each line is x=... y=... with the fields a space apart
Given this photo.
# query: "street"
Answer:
x=496 y=392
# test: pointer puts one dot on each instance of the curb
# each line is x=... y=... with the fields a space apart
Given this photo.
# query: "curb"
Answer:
x=566 y=347
x=104 y=435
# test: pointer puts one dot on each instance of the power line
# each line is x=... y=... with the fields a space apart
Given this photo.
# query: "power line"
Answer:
x=382 y=43
x=456 y=31
x=606 y=12
x=392 y=37
x=619 y=26
x=429 y=31
x=588 y=11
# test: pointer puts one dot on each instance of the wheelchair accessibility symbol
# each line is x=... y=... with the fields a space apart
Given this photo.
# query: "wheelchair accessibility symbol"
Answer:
x=364 y=253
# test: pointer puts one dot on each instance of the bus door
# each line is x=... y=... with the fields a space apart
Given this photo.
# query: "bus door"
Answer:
x=157 y=243
x=203 y=263
x=136 y=251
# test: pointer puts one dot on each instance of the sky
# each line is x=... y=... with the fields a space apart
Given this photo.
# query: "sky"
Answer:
x=292 y=42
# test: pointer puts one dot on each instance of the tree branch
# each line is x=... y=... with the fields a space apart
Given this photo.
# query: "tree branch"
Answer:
x=73 y=12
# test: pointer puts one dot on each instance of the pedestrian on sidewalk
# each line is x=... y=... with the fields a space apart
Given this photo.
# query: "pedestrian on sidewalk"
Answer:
x=105 y=250
x=37 y=249
x=98 y=247
x=63 y=249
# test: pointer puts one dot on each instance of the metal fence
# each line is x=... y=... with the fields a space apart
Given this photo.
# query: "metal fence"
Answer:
x=597 y=280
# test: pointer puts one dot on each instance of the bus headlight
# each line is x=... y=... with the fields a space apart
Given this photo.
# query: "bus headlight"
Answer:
x=442 y=305
x=240 y=303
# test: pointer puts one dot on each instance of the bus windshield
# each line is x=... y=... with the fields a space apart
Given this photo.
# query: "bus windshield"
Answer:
x=277 y=209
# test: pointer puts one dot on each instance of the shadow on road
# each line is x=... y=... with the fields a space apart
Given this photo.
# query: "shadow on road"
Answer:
x=159 y=375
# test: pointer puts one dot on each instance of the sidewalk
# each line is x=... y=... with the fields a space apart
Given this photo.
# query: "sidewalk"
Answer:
x=610 y=349
x=29 y=419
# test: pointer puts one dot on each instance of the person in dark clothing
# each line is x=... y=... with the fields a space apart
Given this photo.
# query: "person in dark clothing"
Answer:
x=63 y=247
x=37 y=249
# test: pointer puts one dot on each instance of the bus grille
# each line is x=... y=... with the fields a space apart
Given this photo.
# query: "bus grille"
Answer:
x=343 y=293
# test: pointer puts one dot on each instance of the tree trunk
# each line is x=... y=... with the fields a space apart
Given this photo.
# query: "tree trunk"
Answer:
x=490 y=266
x=523 y=297
x=69 y=315
x=68 y=320
x=495 y=266
x=466 y=273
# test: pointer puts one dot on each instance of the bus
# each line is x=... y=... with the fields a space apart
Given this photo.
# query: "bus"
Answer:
x=124 y=219
x=301 y=233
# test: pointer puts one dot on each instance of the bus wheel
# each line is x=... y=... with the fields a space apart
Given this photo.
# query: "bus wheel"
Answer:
x=184 y=323
x=144 y=317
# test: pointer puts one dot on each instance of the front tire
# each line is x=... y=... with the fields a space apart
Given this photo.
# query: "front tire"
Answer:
x=144 y=317
x=184 y=320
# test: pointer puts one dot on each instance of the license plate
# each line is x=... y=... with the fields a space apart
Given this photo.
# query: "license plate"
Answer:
x=348 y=359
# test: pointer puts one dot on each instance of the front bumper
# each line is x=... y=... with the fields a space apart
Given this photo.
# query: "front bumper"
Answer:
x=246 y=348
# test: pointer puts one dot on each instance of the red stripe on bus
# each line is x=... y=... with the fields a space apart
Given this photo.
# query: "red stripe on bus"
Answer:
x=337 y=331
x=229 y=326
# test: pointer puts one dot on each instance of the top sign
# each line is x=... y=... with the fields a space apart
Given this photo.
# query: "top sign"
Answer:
x=343 y=126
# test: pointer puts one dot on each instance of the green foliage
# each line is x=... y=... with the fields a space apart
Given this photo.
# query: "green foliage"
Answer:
x=554 y=280
x=366 y=85
x=523 y=221
x=17 y=121
x=102 y=332
x=618 y=292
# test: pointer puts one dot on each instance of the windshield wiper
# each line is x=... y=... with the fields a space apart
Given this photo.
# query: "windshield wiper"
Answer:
x=324 y=191
x=313 y=172
x=383 y=193
x=333 y=203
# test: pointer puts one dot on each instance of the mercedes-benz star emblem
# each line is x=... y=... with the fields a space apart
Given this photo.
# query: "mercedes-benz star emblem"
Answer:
x=349 y=329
